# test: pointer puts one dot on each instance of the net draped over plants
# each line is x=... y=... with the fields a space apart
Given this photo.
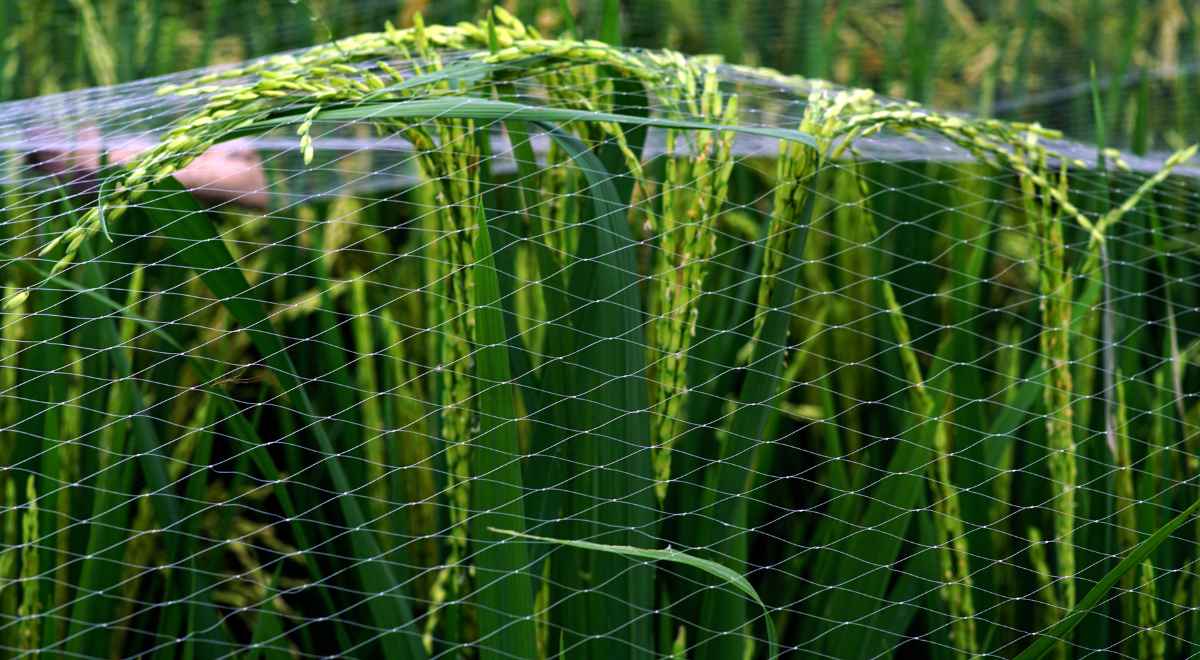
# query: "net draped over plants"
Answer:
x=464 y=342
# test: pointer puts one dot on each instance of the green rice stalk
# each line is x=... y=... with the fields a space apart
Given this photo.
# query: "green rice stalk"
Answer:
x=371 y=405
x=31 y=603
x=139 y=555
x=999 y=520
x=454 y=361
x=826 y=115
x=797 y=171
x=1041 y=567
x=1157 y=469
x=1053 y=636
x=611 y=473
x=98 y=46
x=1125 y=499
x=1152 y=639
x=694 y=190
x=409 y=445
x=92 y=608
x=69 y=472
x=436 y=252
x=1056 y=283
x=10 y=340
x=10 y=563
x=449 y=164
x=953 y=551
x=141 y=547
x=504 y=592
x=1185 y=600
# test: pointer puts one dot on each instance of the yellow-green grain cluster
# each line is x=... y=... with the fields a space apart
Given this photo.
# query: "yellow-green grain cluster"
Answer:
x=1057 y=286
x=694 y=189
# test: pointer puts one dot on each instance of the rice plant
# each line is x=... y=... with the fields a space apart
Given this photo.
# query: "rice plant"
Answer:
x=465 y=341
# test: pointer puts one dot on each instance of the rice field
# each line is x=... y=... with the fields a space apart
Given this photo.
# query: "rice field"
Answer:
x=514 y=332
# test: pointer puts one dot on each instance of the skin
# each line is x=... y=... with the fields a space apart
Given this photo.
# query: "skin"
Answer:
x=227 y=173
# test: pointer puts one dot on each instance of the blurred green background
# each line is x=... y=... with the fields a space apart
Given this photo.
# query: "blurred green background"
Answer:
x=1018 y=59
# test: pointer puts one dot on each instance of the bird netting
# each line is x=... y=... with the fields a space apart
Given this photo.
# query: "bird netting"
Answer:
x=464 y=342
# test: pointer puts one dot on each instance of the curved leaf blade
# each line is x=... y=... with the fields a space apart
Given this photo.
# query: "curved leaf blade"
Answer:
x=1140 y=553
x=713 y=568
x=504 y=592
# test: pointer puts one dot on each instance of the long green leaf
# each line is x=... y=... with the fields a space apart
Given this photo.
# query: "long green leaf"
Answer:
x=546 y=399
x=470 y=107
x=268 y=629
x=455 y=74
x=504 y=593
x=758 y=408
x=1136 y=556
x=713 y=568
x=612 y=488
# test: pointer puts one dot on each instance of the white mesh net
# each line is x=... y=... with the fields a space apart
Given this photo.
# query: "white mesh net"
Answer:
x=464 y=342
